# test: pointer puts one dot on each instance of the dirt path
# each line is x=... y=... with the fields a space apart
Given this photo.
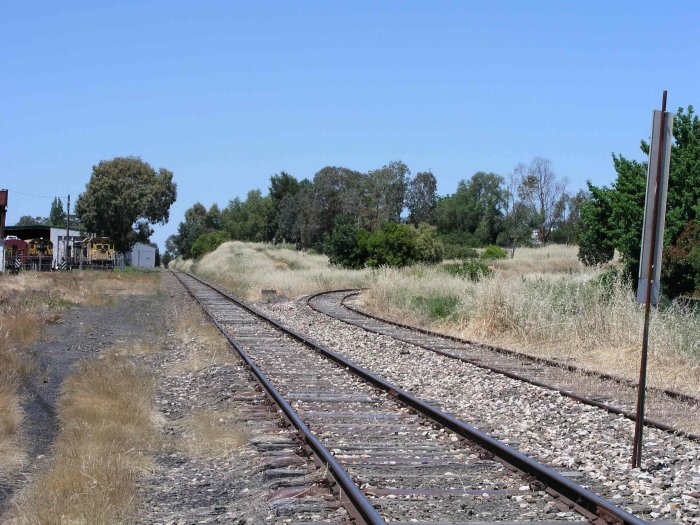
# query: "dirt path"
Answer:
x=81 y=333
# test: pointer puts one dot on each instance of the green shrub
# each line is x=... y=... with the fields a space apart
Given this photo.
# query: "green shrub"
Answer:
x=494 y=252
x=437 y=307
x=680 y=270
x=347 y=244
x=393 y=245
x=429 y=249
x=208 y=242
x=472 y=270
x=460 y=251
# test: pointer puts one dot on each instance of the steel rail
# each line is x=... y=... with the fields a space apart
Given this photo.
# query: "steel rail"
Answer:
x=361 y=506
x=571 y=368
x=580 y=497
x=652 y=423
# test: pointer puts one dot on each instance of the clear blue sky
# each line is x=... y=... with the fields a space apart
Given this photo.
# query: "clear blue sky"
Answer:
x=226 y=94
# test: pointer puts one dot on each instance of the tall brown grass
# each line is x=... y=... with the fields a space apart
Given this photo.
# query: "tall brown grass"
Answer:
x=248 y=268
x=18 y=329
x=107 y=429
x=565 y=316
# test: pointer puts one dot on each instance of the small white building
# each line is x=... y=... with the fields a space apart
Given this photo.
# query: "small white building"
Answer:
x=142 y=256
x=2 y=255
x=62 y=249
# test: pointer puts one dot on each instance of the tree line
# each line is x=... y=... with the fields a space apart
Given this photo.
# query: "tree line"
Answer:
x=485 y=209
x=349 y=214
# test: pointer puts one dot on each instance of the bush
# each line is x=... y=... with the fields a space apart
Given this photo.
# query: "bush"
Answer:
x=347 y=245
x=459 y=251
x=680 y=270
x=472 y=270
x=393 y=245
x=494 y=252
x=429 y=249
x=207 y=242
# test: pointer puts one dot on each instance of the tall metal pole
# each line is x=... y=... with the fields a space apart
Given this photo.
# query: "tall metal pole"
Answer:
x=68 y=264
x=641 y=393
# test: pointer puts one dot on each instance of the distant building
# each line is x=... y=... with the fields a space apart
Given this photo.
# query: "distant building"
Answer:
x=2 y=255
x=142 y=256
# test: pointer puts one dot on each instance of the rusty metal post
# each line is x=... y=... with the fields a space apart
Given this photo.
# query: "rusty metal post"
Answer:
x=3 y=212
x=641 y=391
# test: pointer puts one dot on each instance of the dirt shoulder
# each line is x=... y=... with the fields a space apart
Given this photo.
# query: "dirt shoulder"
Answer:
x=75 y=333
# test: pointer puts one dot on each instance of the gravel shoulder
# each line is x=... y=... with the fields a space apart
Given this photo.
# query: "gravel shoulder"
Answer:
x=268 y=478
x=556 y=430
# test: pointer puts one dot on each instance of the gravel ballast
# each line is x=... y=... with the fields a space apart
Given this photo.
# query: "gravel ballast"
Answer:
x=558 y=431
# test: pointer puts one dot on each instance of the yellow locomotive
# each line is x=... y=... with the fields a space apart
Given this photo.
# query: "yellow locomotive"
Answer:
x=98 y=251
x=39 y=247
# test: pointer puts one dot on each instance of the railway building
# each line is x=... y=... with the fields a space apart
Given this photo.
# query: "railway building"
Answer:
x=142 y=256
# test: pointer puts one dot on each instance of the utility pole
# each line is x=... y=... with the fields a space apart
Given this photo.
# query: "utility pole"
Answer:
x=67 y=232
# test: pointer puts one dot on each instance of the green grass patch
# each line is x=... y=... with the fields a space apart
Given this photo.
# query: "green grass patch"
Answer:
x=472 y=270
x=436 y=308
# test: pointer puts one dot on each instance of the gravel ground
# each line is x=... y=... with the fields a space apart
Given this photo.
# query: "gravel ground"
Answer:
x=268 y=480
x=556 y=430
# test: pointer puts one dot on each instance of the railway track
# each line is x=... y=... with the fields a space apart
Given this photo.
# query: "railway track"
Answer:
x=392 y=457
x=666 y=409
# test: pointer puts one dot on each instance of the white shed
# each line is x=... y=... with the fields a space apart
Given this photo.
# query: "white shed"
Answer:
x=142 y=256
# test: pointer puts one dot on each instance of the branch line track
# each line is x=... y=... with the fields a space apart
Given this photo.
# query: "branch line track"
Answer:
x=608 y=392
x=387 y=451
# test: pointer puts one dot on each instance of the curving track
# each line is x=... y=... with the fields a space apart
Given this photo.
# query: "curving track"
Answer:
x=667 y=410
x=394 y=458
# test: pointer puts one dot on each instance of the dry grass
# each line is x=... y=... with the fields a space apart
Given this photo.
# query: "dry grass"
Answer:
x=247 y=268
x=19 y=328
x=206 y=432
x=206 y=345
x=213 y=433
x=564 y=315
x=89 y=288
x=107 y=430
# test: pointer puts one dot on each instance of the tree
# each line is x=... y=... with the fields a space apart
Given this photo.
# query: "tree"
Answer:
x=283 y=189
x=172 y=246
x=567 y=231
x=346 y=246
x=208 y=242
x=194 y=225
x=421 y=198
x=28 y=220
x=385 y=194
x=612 y=219
x=57 y=216
x=123 y=198
x=248 y=220
x=473 y=215
x=336 y=190
x=544 y=192
x=518 y=219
